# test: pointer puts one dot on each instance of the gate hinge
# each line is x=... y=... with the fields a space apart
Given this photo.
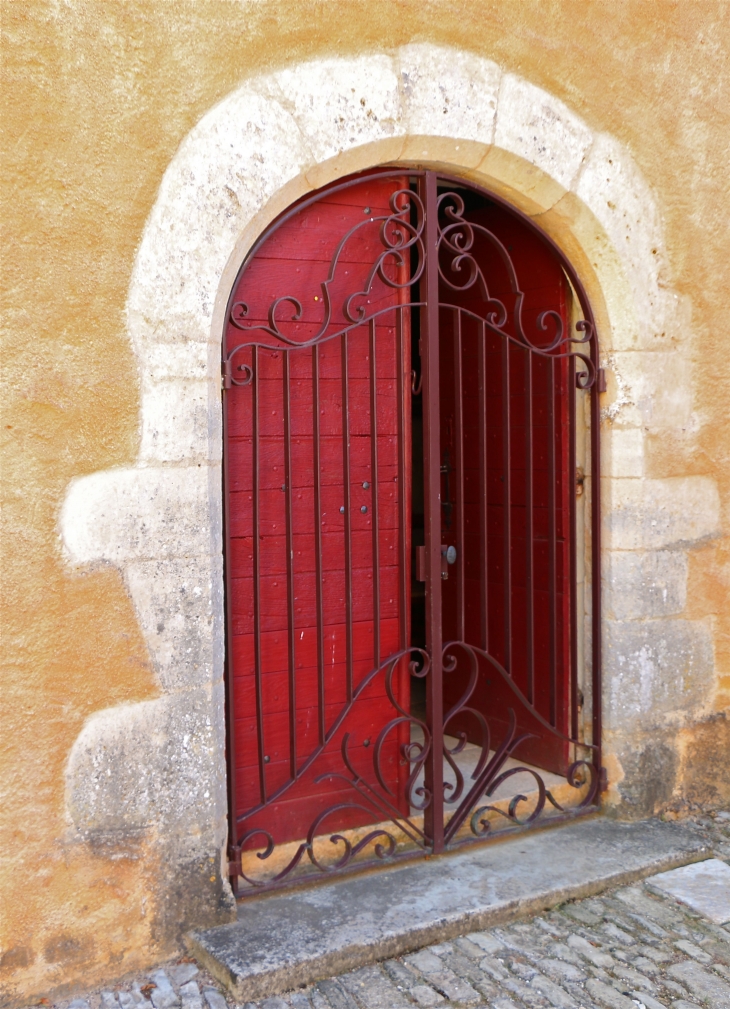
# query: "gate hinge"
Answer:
x=601 y=379
x=602 y=780
x=225 y=374
x=580 y=479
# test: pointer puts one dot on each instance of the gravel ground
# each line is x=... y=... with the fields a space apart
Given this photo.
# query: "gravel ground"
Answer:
x=627 y=949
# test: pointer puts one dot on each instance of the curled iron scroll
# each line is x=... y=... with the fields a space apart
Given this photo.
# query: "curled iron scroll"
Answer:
x=460 y=271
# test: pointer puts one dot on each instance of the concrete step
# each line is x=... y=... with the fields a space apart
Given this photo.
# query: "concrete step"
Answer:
x=295 y=937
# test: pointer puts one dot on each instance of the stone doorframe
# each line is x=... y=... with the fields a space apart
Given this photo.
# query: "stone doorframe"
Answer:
x=158 y=766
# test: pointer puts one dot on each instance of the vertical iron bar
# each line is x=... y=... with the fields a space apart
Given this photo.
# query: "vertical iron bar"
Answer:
x=230 y=669
x=290 y=568
x=348 y=523
x=459 y=441
x=434 y=770
x=483 y=487
x=374 y=494
x=529 y=534
x=316 y=450
x=257 y=571
x=551 y=541
x=596 y=644
x=573 y=588
x=507 y=505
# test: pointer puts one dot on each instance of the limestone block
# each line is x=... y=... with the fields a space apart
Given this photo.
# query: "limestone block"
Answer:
x=640 y=585
x=338 y=104
x=701 y=983
x=179 y=604
x=453 y=987
x=703 y=886
x=653 y=514
x=486 y=941
x=182 y=973
x=541 y=129
x=132 y=514
x=447 y=93
x=229 y=165
x=163 y=994
x=589 y=952
x=214 y=999
x=425 y=995
x=181 y=421
x=614 y=189
x=656 y=385
x=425 y=961
x=601 y=268
x=626 y=453
x=607 y=995
x=190 y=995
x=654 y=670
x=196 y=361
x=152 y=764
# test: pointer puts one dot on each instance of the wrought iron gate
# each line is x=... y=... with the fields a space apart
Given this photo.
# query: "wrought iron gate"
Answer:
x=381 y=347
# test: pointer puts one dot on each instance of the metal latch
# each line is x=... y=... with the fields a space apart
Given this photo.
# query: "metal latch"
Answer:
x=448 y=556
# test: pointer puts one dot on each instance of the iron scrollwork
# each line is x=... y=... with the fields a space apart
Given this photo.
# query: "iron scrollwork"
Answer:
x=369 y=799
x=461 y=273
x=488 y=774
x=398 y=235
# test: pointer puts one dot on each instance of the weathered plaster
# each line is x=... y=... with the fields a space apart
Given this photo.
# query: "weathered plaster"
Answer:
x=650 y=514
x=282 y=133
x=646 y=584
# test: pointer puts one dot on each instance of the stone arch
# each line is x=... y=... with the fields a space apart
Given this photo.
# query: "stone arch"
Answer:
x=270 y=141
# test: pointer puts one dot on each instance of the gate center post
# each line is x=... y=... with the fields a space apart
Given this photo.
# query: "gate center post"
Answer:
x=434 y=770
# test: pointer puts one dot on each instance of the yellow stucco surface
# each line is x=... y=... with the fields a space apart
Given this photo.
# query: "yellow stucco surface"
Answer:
x=96 y=98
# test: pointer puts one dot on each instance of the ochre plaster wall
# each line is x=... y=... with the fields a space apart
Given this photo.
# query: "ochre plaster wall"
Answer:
x=96 y=99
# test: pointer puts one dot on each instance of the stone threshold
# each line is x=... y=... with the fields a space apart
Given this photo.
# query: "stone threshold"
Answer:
x=295 y=937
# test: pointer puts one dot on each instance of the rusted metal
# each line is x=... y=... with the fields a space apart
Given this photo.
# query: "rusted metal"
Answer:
x=431 y=258
x=434 y=776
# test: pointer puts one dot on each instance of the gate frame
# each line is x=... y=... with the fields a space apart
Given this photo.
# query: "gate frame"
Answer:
x=427 y=184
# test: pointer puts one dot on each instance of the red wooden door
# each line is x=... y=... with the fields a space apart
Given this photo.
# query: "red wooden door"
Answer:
x=317 y=549
x=513 y=599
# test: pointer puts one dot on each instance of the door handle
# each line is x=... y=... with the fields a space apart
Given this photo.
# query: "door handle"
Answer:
x=448 y=557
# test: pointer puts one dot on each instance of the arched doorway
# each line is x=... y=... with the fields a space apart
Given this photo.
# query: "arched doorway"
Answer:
x=408 y=366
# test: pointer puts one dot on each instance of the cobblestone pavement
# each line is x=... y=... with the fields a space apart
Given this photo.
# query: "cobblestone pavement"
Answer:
x=627 y=949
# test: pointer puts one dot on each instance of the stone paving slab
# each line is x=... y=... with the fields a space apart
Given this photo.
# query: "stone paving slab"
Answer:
x=704 y=886
x=634 y=947
x=284 y=941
